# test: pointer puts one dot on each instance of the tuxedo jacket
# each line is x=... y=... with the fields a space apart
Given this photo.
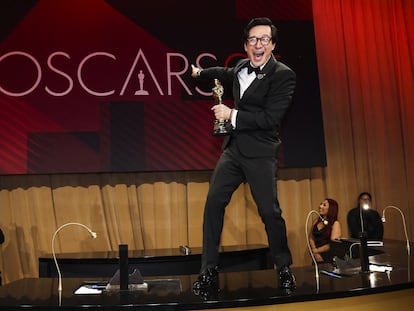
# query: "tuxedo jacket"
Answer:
x=262 y=107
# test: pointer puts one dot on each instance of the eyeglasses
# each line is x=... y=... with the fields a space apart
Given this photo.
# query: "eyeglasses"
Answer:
x=265 y=40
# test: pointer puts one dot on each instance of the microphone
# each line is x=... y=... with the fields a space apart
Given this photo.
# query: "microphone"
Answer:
x=363 y=252
x=93 y=234
x=363 y=246
x=407 y=241
x=364 y=207
x=310 y=248
x=324 y=221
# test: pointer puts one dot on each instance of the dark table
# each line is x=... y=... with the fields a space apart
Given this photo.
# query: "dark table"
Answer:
x=154 y=262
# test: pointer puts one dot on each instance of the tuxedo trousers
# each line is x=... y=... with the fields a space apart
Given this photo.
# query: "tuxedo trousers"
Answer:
x=231 y=170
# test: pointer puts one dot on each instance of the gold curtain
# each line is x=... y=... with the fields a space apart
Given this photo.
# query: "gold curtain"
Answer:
x=367 y=90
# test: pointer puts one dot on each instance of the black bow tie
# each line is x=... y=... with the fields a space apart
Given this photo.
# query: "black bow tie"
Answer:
x=251 y=69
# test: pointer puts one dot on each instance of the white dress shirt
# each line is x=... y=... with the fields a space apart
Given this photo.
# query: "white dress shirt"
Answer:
x=245 y=80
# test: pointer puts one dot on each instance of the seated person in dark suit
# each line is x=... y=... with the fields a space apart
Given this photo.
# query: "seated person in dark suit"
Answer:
x=326 y=229
x=371 y=219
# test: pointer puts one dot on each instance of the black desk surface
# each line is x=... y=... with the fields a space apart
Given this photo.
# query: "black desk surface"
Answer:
x=237 y=289
x=154 y=262
x=148 y=253
x=114 y=255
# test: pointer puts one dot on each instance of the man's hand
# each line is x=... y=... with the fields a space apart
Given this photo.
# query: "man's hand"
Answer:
x=195 y=71
x=221 y=112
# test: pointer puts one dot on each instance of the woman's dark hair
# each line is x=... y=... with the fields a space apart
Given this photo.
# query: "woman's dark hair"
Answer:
x=332 y=211
x=259 y=21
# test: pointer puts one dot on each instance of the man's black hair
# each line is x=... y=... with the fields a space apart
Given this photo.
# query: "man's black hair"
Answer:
x=259 y=21
x=364 y=193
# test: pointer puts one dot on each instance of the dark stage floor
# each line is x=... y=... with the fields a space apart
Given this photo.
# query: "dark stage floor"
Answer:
x=237 y=289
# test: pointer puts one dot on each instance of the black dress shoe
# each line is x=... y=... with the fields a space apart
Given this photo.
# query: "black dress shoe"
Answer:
x=287 y=279
x=207 y=293
x=207 y=280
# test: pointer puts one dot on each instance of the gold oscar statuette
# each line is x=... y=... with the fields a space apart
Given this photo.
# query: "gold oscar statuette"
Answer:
x=221 y=127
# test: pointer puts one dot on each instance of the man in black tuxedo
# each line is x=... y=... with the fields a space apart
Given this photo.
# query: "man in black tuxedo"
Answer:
x=262 y=91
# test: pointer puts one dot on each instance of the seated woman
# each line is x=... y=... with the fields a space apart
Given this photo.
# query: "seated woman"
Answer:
x=326 y=228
